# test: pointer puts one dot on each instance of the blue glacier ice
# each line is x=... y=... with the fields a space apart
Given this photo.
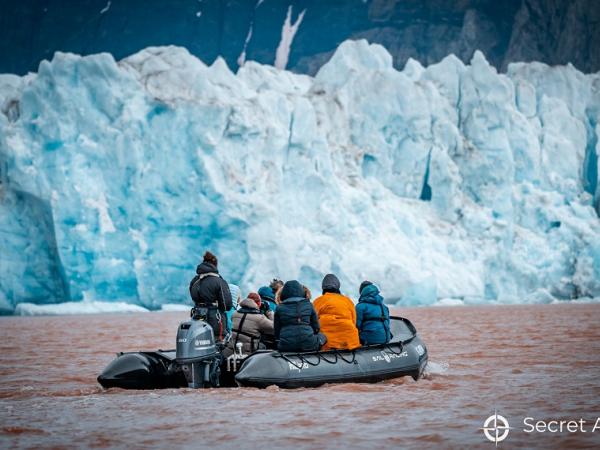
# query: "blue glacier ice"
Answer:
x=450 y=183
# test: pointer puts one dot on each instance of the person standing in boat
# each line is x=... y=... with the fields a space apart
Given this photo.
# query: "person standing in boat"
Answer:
x=209 y=290
x=249 y=326
x=372 y=316
x=337 y=316
x=296 y=324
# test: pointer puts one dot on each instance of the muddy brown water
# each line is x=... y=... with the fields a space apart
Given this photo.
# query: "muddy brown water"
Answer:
x=539 y=361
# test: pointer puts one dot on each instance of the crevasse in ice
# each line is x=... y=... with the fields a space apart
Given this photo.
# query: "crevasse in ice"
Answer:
x=445 y=182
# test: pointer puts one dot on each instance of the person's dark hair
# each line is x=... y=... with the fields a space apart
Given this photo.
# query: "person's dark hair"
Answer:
x=210 y=258
x=331 y=291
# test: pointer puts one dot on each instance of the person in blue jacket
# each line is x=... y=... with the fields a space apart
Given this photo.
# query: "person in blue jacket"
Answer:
x=268 y=295
x=372 y=316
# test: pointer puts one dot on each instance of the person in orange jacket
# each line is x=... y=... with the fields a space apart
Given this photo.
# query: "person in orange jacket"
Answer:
x=337 y=316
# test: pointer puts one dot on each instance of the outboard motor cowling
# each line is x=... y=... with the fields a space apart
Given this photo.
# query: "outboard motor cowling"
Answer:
x=195 y=340
x=197 y=354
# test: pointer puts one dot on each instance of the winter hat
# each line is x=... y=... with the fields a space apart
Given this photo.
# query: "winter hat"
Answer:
x=255 y=297
x=266 y=293
x=330 y=282
x=291 y=289
x=363 y=285
x=210 y=258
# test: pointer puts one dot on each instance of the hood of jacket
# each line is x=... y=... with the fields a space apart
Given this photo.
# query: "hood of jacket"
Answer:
x=331 y=283
x=370 y=294
x=291 y=289
x=206 y=267
x=249 y=303
x=266 y=293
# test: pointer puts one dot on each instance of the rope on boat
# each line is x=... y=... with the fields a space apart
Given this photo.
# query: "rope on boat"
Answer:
x=353 y=361
x=337 y=355
x=305 y=359
x=321 y=355
x=389 y=348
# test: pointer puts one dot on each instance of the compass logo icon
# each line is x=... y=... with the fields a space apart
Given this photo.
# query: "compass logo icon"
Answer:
x=495 y=428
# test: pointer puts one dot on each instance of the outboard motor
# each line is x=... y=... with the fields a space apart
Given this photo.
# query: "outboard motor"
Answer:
x=197 y=352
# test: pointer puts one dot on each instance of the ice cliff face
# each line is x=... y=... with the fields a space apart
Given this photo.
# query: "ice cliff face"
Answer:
x=451 y=181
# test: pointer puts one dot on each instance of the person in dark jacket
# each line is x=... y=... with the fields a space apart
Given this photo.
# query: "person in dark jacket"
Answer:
x=372 y=316
x=296 y=324
x=209 y=290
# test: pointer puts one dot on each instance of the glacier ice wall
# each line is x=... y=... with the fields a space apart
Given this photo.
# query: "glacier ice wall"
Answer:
x=450 y=181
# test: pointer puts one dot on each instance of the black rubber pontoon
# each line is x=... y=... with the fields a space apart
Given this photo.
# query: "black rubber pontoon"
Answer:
x=143 y=370
x=405 y=355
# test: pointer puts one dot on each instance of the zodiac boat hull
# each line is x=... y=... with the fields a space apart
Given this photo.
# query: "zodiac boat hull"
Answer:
x=405 y=355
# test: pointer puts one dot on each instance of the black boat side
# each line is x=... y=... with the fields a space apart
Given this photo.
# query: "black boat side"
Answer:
x=405 y=355
x=143 y=370
x=365 y=365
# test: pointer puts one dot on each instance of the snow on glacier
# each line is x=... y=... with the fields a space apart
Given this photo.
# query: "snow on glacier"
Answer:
x=449 y=182
x=288 y=31
x=84 y=307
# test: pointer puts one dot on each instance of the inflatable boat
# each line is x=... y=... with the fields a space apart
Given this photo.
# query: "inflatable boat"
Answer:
x=197 y=362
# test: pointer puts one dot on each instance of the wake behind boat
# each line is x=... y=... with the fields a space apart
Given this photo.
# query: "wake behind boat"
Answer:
x=196 y=362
